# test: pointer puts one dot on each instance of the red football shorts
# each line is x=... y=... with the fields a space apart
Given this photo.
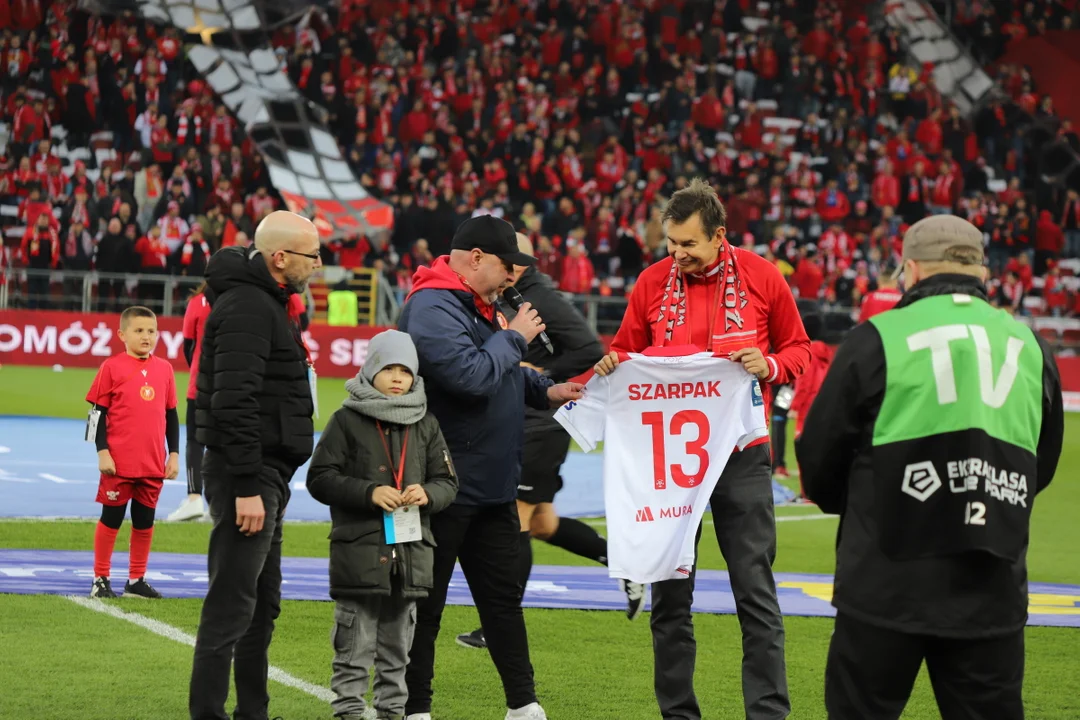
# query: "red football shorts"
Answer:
x=116 y=491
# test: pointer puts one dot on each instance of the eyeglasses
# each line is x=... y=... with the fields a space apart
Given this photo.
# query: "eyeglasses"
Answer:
x=310 y=256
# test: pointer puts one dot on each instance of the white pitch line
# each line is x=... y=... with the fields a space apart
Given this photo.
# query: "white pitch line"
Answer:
x=781 y=518
x=816 y=516
x=172 y=633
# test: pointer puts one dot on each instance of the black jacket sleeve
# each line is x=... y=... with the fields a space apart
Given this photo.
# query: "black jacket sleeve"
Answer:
x=242 y=346
x=840 y=417
x=172 y=430
x=577 y=348
x=1053 y=419
x=189 y=350
x=99 y=438
x=440 y=477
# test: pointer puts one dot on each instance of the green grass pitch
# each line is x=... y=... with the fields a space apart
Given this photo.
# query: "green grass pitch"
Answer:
x=60 y=661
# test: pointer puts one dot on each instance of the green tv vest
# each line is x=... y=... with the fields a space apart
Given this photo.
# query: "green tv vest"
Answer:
x=954 y=442
x=342 y=309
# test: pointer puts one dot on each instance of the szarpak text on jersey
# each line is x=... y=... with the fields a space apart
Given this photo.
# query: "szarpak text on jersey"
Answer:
x=673 y=391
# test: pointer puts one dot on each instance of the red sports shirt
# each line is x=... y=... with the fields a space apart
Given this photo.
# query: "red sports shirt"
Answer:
x=878 y=302
x=198 y=309
x=137 y=393
x=780 y=337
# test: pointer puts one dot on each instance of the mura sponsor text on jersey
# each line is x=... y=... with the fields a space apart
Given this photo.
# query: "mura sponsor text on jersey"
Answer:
x=646 y=514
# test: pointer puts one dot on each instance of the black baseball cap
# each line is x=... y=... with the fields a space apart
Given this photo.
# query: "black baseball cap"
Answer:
x=493 y=236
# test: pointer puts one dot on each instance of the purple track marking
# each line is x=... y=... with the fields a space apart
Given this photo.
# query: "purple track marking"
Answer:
x=581 y=588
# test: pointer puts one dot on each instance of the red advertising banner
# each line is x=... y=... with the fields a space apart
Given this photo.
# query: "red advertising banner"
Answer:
x=85 y=340
x=31 y=337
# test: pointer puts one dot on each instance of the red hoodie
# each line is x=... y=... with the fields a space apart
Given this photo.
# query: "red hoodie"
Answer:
x=808 y=384
x=781 y=337
x=878 y=302
x=1048 y=236
x=440 y=277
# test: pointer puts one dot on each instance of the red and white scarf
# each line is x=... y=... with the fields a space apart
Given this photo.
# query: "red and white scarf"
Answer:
x=189 y=248
x=733 y=328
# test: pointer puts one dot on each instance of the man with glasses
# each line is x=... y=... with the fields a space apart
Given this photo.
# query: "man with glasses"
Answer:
x=470 y=359
x=253 y=408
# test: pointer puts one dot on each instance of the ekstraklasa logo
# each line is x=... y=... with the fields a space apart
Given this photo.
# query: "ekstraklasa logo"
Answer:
x=920 y=480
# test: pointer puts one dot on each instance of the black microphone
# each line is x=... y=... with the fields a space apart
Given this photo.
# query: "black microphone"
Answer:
x=514 y=299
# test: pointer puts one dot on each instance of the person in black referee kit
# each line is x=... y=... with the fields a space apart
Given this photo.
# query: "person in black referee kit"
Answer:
x=576 y=349
x=470 y=359
x=937 y=424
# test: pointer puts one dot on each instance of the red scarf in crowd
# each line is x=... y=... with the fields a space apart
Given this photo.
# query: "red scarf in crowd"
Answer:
x=189 y=249
x=71 y=245
x=733 y=327
x=42 y=236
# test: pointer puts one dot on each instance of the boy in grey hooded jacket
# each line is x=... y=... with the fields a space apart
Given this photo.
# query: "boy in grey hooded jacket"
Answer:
x=380 y=463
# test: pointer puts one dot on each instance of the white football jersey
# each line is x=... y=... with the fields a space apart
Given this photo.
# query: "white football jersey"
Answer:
x=669 y=425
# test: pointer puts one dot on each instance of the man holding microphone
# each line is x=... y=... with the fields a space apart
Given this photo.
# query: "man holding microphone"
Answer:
x=470 y=359
x=567 y=348
x=712 y=297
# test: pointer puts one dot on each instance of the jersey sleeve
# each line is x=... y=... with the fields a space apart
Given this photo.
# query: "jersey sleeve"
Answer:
x=191 y=316
x=170 y=401
x=752 y=416
x=100 y=389
x=584 y=419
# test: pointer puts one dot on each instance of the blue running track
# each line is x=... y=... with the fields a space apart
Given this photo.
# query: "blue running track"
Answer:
x=47 y=470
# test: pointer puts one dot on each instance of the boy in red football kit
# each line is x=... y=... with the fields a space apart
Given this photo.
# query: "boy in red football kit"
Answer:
x=133 y=417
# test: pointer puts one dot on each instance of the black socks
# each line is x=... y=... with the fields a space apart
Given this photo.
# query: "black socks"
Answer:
x=580 y=539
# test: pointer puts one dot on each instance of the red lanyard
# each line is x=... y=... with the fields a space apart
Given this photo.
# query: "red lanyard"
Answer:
x=398 y=473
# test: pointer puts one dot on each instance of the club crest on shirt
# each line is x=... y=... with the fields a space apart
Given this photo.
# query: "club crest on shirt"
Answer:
x=146 y=392
x=501 y=319
x=757 y=398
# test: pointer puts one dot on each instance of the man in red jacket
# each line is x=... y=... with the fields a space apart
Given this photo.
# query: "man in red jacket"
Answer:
x=735 y=304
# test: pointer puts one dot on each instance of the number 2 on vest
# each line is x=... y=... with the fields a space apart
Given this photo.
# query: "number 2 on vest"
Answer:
x=937 y=340
x=695 y=447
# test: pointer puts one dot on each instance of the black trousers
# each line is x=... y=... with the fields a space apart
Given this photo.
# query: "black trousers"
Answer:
x=871 y=670
x=242 y=601
x=193 y=454
x=37 y=292
x=486 y=541
x=742 y=507
x=778 y=431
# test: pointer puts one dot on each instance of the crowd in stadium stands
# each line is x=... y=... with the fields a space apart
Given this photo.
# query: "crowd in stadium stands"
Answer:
x=571 y=119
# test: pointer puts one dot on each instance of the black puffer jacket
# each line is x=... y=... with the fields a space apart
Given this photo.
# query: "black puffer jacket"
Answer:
x=577 y=348
x=254 y=402
x=349 y=463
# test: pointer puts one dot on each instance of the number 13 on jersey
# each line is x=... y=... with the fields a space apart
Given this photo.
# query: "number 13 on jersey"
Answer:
x=695 y=446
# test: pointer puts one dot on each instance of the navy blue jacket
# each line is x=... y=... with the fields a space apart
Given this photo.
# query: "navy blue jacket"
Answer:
x=476 y=388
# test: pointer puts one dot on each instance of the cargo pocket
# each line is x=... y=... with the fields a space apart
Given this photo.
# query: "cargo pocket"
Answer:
x=358 y=558
x=343 y=634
